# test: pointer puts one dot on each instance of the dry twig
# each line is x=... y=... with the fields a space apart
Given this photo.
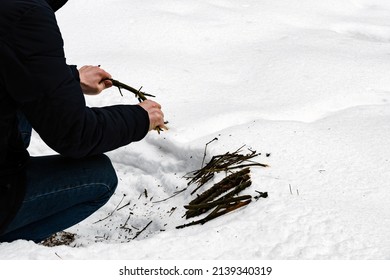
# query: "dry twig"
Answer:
x=110 y=214
x=237 y=181
x=222 y=196
x=225 y=162
x=142 y=230
x=140 y=95
x=219 y=211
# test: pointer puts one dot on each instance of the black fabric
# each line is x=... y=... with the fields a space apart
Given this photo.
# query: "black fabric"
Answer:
x=56 y=4
x=35 y=79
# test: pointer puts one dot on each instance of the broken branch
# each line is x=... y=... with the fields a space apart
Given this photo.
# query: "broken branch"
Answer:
x=140 y=95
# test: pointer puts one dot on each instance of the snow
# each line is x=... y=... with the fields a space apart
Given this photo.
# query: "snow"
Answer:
x=306 y=81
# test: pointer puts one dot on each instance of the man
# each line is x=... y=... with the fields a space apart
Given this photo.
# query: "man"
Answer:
x=40 y=196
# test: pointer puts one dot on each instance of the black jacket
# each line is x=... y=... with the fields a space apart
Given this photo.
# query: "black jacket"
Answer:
x=35 y=79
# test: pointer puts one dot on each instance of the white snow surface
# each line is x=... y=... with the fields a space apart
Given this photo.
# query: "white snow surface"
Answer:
x=307 y=81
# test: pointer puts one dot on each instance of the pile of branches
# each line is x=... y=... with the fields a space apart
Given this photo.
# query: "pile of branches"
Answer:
x=226 y=162
x=224 y=196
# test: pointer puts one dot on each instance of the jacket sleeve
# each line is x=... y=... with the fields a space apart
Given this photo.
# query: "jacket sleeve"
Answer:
x=55 y=104
x=75 y=72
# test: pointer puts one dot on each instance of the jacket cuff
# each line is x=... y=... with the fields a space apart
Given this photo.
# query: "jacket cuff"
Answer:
x=143 y=122
x=75 y=72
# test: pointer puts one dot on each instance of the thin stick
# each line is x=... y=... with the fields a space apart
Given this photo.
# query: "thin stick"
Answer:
x=140 y=95
x=127 y=220
x=216 y=214
x=109 y=215
x=127 y=204
x=212 y=204
x=142 y=230
x=205 y=148
x=175 y=194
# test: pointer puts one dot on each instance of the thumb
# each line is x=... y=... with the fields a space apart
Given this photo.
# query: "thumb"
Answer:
x=107 y=83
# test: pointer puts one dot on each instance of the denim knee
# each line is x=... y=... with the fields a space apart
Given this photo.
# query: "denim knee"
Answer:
x=110 y=176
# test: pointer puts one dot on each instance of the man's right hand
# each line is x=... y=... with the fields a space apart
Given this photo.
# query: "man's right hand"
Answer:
x=93 y=79
x=156 y=116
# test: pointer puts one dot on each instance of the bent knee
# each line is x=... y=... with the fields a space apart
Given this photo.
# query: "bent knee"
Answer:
x=108 y=173
x=100 y=168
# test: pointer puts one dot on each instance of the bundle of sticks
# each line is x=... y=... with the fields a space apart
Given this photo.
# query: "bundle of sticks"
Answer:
x=224 y=196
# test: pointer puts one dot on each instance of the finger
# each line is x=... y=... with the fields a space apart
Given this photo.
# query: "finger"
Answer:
x=158 y=113
x=100 y=87
x=152 y=104
x=103 y=74
x=156 y=105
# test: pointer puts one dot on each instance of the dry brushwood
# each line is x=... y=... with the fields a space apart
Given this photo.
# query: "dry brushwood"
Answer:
x=197 y=209
x=140 y=95
x=225 y=162
x=222 y=196
x=226 y=184
x=219 y=211
x=237 y=181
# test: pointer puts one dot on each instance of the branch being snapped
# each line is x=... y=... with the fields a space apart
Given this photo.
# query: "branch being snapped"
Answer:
x=140 y=95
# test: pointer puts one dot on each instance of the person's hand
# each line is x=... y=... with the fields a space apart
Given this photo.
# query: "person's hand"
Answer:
x=93 y=79
x=156 y=116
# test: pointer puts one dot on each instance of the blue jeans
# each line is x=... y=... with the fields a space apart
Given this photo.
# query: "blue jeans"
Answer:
x=60 y=192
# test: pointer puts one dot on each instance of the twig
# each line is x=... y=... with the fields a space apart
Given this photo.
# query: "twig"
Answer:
x=237 y=181
x=142 y=230
x=225 y=184
x=221 y=197
x=216 y=213
x=205 y=148
x=172 y=210
x=261 y=195
x=110 y=214
x=127 y=204
x=140 y=95
x=127 y=220
x=146 y=193
x=223 y=201
x=174 y=194
x=217 y=202
x=225 y=162
x=242 y=166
